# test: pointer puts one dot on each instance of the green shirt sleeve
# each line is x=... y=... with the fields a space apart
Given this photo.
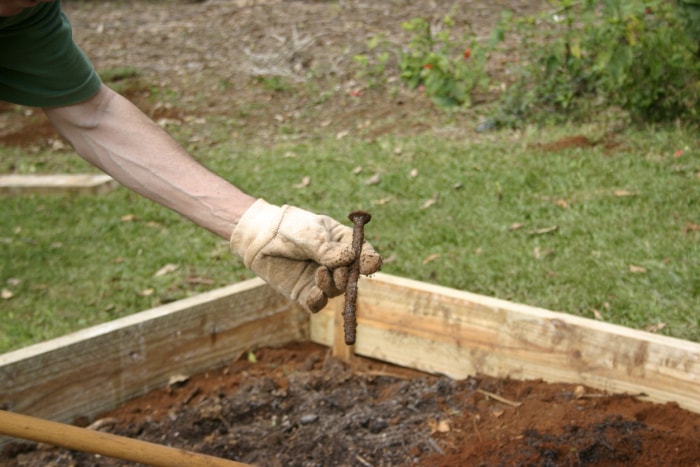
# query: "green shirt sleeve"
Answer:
x=40 y=65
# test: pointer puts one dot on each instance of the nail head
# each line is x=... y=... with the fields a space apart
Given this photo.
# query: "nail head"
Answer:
x=360 y=217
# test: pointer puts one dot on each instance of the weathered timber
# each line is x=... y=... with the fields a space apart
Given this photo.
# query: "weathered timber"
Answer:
x=15 y=184
x=401 y=321
x=440 y=330
x=88 y=372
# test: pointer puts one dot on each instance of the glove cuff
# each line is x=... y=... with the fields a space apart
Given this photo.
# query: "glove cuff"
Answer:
x=256 y=228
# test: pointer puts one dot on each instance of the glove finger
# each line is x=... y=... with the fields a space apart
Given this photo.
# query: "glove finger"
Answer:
x=306 y=290
x=337 y=250
x=333 y=254
x=325 y=281
x=340 y=278
x=313 y=299
x=294 y=279
x=370 y=260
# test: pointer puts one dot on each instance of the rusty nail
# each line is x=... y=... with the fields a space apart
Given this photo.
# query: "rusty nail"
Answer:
x=359 y=219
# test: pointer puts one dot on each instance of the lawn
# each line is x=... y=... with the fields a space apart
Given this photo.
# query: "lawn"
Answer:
x=605 y=227
x=308 y=106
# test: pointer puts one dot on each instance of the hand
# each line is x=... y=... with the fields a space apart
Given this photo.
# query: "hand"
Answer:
x=302 y=255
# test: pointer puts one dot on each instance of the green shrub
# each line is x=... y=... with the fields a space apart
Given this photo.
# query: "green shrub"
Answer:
x=448 y=69
x=642 y=57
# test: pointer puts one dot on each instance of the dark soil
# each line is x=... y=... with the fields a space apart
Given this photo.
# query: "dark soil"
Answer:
x=281 y=69
x=298 y=406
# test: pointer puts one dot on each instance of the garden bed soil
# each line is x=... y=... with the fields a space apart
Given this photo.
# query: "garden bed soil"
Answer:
x=299 y=406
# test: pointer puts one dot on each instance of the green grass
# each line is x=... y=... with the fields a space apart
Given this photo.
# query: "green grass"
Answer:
x=602 y=232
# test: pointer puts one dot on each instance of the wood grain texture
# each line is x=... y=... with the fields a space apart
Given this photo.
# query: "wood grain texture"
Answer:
x=106 y=444
x=14 y=184
x=400 y=321
x=94 y=370
x=446 y=331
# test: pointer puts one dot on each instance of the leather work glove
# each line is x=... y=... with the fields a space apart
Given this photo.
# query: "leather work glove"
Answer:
x=300 y=254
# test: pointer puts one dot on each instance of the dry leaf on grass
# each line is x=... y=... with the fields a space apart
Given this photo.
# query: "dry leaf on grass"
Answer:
x=691 y=227
x=6 y=294
x=637 y=269
x=538 y=253
x=373 y=180
x=306 y=181
x=545 y=230
x=655 y=327
x=390 y=259
x=431 y=258
x=197 y=280
x=382 y=201
x=426 y=204
x=167 y=269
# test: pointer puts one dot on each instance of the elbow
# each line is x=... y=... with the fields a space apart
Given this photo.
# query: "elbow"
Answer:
x=83 y=116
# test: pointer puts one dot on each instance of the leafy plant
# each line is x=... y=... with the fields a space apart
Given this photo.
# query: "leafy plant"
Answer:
x=591 y=54
x=449 y=70
x=375 y=62
x=274 y=83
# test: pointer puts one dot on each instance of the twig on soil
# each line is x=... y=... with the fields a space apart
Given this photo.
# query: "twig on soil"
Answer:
x=388 y=374
x=476 y=427
x=499 y=398
x=431 y=442
x=616 y=396
x=191 y=395
x=362 y=461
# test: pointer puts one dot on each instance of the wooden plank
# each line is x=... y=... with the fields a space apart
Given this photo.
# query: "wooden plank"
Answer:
x=56 y=184
x=456 y=333
x=94 y=370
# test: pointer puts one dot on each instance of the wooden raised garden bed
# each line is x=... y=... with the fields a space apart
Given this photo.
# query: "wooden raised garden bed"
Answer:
x=433 y=329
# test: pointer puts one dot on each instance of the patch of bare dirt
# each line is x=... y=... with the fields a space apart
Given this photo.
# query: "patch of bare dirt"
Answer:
x=298 y=406
x=274 y=68
x=609 y=143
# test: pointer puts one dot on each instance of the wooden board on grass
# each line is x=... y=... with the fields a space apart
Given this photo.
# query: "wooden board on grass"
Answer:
x=446 y=331
x=88 y=372
x=56 y=184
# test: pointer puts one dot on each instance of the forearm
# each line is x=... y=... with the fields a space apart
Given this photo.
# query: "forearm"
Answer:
x=115 y=136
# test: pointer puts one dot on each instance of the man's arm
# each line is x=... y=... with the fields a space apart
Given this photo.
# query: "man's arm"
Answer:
x=114 y=135
x=302 y=255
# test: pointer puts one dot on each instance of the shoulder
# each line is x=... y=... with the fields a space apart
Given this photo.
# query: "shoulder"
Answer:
x=40 y=15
